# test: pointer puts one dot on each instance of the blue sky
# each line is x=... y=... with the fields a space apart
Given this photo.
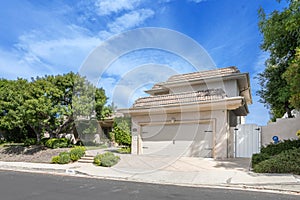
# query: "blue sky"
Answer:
x=55 y=37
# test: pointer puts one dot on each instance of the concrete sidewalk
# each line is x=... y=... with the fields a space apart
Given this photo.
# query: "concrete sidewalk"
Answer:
x=232 y=173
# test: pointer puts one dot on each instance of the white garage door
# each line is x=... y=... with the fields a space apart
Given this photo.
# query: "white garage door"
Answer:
x=189 y=139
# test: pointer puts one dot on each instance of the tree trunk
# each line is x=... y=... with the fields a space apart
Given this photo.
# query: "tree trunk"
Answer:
x=64 y=126
x=288 y=110
x=37 y=133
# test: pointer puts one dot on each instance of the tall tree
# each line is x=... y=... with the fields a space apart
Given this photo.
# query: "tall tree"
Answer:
x=292 y=76
x=11 y=100
x=48 y=104
x=281 y=37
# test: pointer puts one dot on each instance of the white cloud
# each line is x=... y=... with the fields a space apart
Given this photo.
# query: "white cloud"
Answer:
x=107 y=7
x=12 y=65
x=130 y=20
x=63 y=53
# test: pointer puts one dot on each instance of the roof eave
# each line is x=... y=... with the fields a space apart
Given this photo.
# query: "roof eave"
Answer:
x=223 y=104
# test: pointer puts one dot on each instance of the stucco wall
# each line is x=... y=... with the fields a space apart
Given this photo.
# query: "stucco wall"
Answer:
x=229 y=86
x=219 y=118
x=283 y=128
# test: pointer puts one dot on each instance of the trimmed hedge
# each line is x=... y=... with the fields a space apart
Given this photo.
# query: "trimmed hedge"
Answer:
x=107 y=159
x=285 y=162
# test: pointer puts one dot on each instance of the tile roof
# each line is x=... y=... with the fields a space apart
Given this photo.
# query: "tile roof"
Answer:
x=180 y=98
x=204 y=74
x=198 y=75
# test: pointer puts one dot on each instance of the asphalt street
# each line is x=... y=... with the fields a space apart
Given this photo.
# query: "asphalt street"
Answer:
x=34 y=186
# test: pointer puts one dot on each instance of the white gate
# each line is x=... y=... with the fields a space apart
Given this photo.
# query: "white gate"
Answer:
x=247 y=140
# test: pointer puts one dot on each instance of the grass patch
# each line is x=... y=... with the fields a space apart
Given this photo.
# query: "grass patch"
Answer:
x=100 y=146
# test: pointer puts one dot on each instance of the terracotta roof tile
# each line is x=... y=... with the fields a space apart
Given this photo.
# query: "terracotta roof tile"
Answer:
x=181 y=98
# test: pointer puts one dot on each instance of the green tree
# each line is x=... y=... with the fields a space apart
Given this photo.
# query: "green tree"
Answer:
x=11 y=112
x=121 y=132
x=281 y=37
x=292 y=76
x=48 y=104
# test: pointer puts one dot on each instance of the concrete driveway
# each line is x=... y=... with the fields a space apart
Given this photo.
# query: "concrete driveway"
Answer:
x=150 y=163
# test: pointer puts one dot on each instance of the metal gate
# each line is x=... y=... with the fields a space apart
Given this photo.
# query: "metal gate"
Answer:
x=247 y=140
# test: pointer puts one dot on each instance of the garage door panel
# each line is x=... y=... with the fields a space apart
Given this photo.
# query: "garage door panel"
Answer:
x=190 y=139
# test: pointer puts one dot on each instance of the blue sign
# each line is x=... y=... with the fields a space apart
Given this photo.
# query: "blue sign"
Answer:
x=275 y=139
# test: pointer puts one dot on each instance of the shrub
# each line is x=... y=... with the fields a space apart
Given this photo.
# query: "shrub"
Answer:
x=49 y=143
x=97 y=159
x=259 y=157
x=55 y=143
x=274 y=149
x=107 y=159
x=121 y=133
x=125 y=150
x=44 y=140
x=62 y=158
x=76 y=153
x=55 y=159
x=30 y=141
x=285 y=162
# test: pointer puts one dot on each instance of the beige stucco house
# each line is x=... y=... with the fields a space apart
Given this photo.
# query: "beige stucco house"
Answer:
x=191 y=114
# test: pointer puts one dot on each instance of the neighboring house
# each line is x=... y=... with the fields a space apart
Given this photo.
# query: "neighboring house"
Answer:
x=191 y=114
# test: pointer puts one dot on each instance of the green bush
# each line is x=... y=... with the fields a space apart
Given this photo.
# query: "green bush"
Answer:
x=76 y=153
x=274 y=149
x=49 y=143
x=121 y=133
x=30 y=141
x=124 y=150
x=44 y=140
x=55 y=159
x=97 y=159
x=259 y=157
x=55 y=143
x=285 y=162
x=62 y=158
x=107 y=159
